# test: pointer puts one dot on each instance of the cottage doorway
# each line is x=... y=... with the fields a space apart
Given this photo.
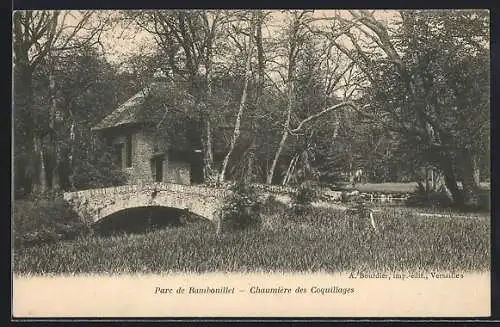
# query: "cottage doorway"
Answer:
x=158 y=165
x=196 y=169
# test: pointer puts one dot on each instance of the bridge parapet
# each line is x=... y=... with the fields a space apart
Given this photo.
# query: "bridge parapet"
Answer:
x=179 y=188
x=204 y=200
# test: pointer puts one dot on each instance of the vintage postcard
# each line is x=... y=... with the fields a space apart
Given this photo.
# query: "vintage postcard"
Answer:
x=251 y=163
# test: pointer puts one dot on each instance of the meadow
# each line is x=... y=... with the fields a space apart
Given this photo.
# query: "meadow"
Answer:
x=319 y=240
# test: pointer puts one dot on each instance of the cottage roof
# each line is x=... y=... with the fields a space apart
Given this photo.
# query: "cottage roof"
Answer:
x=124 y=114
x=129 y=112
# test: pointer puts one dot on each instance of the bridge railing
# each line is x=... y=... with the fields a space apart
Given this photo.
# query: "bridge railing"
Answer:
x=133 y=188
x=203 y=189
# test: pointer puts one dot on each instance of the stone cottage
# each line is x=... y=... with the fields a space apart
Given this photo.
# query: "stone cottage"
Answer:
x=139 y=150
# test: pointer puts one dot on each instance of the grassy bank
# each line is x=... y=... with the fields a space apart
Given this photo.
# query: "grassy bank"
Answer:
x=42 y=221
x=398 y=187
x=321 y=240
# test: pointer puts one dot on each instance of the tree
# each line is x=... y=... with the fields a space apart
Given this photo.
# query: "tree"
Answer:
x=428 y=78
x=295 y=36
x=87 y=89
x=261 y=17
x=40 y=36
x=243 y=100
x=298 y=37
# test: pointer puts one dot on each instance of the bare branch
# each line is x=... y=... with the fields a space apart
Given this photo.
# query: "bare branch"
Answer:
x=325 y=111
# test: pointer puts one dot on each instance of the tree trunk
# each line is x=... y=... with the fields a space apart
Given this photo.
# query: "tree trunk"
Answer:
x=292 y=55
x=236 y=132
x=56 y=163
x=69 y=154
x=41 y=185
x=250 y=173
x=270 y=175
x=433 y=184
x=450 y=181
x=291 y=168
x=23 y=101
x=52 y=133
x=335 y=129
x=206 y=133
x=284 y=136
x=208 y=153
x=427 y=180
x=470 y=180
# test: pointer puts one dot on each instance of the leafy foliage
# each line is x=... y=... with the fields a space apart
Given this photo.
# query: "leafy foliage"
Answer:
x=41 y=221
x=437 y=99
x=241 y=208
x=429 y=198
x=302 y=199
x=304 y=195
x=98 y=170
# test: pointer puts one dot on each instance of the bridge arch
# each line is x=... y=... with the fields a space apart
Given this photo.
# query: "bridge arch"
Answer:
x=96 y=204
x=141 y=219
x=176 y=201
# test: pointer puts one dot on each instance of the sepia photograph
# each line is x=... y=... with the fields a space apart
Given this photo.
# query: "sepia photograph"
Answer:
x=259 y=162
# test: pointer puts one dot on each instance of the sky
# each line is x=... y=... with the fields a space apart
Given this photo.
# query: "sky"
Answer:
x=122 y=42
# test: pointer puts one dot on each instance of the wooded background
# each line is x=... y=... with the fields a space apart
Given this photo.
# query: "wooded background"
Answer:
x=277 y=101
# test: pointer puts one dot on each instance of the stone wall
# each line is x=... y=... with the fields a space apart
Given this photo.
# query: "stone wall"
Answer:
x=142 y=170
x=177 y=172
x=142 y=145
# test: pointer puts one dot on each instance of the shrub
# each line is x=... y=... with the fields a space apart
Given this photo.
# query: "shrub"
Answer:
x=302 y=199
x=271 y=206
x=305 y=195
x=41 y=220
x=98 y=171
x=274 y=213
x=241 y=207
x=423 y=197
x=484 y=200
x=353 y=196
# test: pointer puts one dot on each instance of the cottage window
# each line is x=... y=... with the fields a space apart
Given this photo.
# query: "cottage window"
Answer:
x=129 y=151
x=158 y=168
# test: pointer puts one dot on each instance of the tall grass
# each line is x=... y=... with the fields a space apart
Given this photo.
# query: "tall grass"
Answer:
x=321 y=240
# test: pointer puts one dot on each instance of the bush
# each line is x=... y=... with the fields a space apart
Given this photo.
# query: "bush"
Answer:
x=423 y=197
x=98 y=171
x=484 y=200
x=42 y=220
x=302 y=199
x=305 y=195
x=271 y=206
x=241 y=208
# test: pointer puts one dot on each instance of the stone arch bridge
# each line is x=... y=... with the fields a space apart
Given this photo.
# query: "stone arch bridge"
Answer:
x=95 y=204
